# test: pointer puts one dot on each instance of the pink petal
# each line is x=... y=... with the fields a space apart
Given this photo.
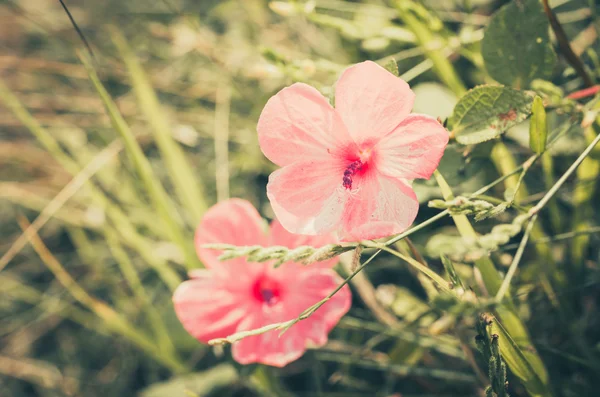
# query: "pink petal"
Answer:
x=371 y=101
x=210 y=306
x=233 y=221
x=280 y=236
x=413 y=149
x=384 y=206
x=299 y=124
x=268 y=348
x=308 y=197
x=309 y=286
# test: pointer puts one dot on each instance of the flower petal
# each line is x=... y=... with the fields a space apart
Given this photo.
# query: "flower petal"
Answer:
x=208 y=307
x=371 y=101
x=233 y=221
x=413 y=149
x=307 y=197
x=268 y=348
x=384 y=206
x=280 y=236
x=309 y=287
x=297 y=124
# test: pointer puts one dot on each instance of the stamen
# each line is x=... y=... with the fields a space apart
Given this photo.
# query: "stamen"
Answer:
x=349 y=172
x=267 y=291
x=268 y=296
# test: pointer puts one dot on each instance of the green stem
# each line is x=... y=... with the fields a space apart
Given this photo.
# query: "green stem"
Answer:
x=396 y=369
x=564 y=177
x=558 y=237
x=439 y=281
x=587 y=176
x=523 y=360
x=515 y=263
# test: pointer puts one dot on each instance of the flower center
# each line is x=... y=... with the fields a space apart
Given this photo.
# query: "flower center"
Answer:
x=349 y=173
x=267 y=291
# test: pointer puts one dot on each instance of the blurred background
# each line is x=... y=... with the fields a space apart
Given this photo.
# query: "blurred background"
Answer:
x=114 y=163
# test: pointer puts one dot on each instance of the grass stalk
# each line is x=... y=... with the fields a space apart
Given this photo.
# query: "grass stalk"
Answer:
x=122 y=223
x=181 y=173
x=132 y=278
x=164 y=207
x=113 y=320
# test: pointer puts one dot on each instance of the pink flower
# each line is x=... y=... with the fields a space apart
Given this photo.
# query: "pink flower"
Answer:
x=348 y=169
x=233 y=296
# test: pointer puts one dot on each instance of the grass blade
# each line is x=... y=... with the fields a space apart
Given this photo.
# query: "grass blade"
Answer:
x=180 y=172
x=123 y=224
x=155 y=190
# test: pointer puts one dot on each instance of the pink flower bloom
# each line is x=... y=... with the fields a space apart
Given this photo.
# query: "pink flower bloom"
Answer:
x=233 y=296
x=348 y=169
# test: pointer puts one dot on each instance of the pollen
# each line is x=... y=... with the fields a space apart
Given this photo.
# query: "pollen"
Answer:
x=349 y=172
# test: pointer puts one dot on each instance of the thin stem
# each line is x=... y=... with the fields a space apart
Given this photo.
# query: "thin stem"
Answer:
x=415 y=229
x=443 y=345
x=439 y=281
x=396 y=369
x=79 y=32
x=558 y=237
x=526 y=166
x=417 y=70
x=565 y=46
x=564 y=177
x=62 y=197
x=515 y=263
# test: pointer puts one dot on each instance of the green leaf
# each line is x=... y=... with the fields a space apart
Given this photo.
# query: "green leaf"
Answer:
x=392 y=67
x=538 y=129
x=516 y=46
x=486 y=111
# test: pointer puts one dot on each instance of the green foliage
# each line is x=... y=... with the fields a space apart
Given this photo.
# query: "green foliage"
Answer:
x=119 y=201
x=538 y=128
x=516 y=46
x=487 y=111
